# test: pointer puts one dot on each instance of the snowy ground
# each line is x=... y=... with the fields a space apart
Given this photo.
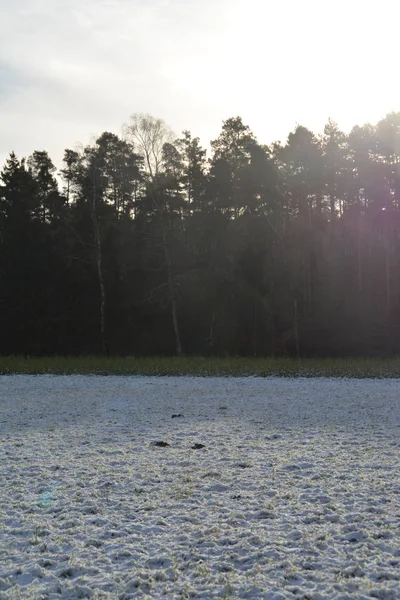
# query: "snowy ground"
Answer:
x=295 y=494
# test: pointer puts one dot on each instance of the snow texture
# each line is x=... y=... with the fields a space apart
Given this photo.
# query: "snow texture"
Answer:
x=135 y=487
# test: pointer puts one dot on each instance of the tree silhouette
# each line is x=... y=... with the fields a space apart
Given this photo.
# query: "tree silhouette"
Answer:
x=153 y=248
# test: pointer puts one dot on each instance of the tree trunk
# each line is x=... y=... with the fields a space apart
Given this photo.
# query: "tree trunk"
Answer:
x=211 y=337
x=100 y=275
x=171 y=289
x=255 y=328
x=387 y=276
x=360 y=280
x=296 y=327
x=332 y=206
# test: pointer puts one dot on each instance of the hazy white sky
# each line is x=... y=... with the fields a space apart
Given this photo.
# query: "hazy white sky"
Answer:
x=71 y=69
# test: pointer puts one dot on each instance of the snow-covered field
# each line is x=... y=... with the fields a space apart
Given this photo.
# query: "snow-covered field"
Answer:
x=295 y=494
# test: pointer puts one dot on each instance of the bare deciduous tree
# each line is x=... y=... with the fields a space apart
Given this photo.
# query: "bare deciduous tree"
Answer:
x=149 y=136
x=99 y=266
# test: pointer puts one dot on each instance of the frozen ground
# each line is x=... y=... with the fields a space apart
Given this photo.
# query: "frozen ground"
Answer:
x=295 y=493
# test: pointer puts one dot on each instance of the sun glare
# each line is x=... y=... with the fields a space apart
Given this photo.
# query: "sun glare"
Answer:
x=306 y=62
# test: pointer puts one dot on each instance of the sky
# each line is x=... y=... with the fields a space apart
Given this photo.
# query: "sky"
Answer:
x=71 y=69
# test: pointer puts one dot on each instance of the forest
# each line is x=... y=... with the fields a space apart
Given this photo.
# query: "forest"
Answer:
x=147 y=245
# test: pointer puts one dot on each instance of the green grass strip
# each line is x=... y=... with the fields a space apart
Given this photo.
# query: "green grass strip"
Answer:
x=203 y=367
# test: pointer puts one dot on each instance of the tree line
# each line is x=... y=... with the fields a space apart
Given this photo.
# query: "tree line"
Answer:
x=144 y=245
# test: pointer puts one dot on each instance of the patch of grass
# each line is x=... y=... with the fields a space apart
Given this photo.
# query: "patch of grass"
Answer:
x=203 y=367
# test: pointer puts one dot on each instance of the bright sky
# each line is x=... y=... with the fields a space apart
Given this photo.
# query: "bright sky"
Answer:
x=71 y=69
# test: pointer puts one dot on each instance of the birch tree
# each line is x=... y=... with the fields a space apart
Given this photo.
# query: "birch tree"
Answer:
x=149 y=137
